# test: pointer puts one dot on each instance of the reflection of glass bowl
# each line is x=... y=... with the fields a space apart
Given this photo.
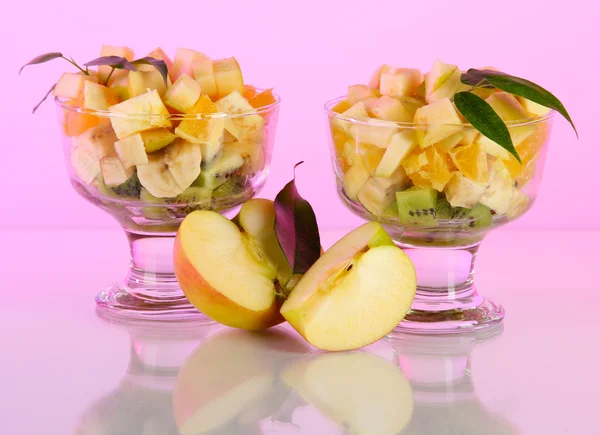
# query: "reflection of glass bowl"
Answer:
x=155 y=197
x=442 y=240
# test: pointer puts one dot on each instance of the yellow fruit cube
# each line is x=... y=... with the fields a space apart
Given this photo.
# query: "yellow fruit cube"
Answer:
x=203 y=130
x=196 y=65
x=156 y=139
x=113 y=171
x=471 y=160
x=247 y=128
x=140 y=81
x=367 y=155
x=158 y=53
x=228 y=76
x=398 y=82
x=71 y=85
x=96 y=97
x=533 y=108
x=439 y=120
x=182 y=94
x=388 y=109
x=132 y=151
x=104 y=70
x=145 y=104
x=358 y=93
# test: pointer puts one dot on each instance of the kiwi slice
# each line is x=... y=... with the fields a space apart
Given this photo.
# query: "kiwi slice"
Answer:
x=219 y=170
x=479 y=216
x=443 y=209
x=234 y=186
x=130 y=188
x=191 y=199
x=416 y=208
x=152 y=213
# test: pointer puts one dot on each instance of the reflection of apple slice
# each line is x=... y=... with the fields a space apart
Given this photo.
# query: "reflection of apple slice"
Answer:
x=225 y=267
x=229 y=375
x=356 y=293
x=358 y=390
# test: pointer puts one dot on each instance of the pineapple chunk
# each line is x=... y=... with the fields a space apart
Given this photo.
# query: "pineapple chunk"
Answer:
x=440 y=120
x=145 y=104
x=156 y=139
x=388 y=109
x=71 y=85
x=96 y=97
x=358 y=93
x=401 y=145
x=532 y=107
x=140 y=81
x=183 y=94
x=357 y=111
x=228 y=76
x=113 y=171
x=100 y=139
x=208 y=130
x=248 y=128
x=104 y=70
x=378 y=135
x=399 y=82
x=132 y=151
x=463 y=192
x=354 y=180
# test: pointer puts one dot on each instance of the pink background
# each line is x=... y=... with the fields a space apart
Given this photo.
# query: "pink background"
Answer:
x=309 y=51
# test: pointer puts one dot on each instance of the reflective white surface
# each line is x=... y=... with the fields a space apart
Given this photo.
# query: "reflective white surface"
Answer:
x=64 y=370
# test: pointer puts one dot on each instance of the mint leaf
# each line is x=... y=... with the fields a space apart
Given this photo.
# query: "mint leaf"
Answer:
x=44 y=99
x=483 y=117
x=296 y=228
x=112 y=61
x=526 y=89
x=159 y=64
x=42 y=58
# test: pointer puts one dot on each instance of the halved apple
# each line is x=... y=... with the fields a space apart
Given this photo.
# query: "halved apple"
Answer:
x=355 y=294
x=231 y=270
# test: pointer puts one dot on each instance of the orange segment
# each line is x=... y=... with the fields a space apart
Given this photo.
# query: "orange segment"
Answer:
x=471 y=160
x=528 y=150
x=249 y=92
x=428 y=169
x=262 y=99
x=76 y=123
x=201 y=130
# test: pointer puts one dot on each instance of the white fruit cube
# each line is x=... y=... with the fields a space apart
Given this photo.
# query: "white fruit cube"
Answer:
x=532 y=107
x=140 y=81
x=113 y=171
x=131 y=151
x=244 y=128
x=105 y=70
x=100 y=139
x=95 y=96
x=441 y=81
x=439 y=120
x=388 y=109
x=499 y=192
x=145 y=104
x=182 y=94
x=71 y=85
x=400 y=146
x=398 y=82
x=358 y=93
x=228 y=76
x=462 y=191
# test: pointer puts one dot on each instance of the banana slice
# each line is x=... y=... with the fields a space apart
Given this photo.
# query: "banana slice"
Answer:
x=183 y=159
x=156 y=177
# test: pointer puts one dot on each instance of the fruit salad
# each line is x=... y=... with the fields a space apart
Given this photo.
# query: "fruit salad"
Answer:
x=195 y=137
x=403 y=154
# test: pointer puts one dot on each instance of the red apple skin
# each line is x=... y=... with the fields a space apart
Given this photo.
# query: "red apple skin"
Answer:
x=215 y=305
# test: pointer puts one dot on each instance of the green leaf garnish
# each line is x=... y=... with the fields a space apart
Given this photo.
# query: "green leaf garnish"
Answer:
x=483 y=117
x=159 y=64
x=42 y=58
x=296 y=228
x=112 y=61
x=44 y=99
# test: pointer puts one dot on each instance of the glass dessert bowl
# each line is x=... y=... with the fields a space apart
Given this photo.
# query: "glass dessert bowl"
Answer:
x=149 y=170
x=438 y=188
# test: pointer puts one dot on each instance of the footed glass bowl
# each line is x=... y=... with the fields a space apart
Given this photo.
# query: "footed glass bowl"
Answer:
x=149 y=200
x=438 y=201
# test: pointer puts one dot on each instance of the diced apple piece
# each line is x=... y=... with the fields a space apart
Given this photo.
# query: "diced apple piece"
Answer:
x=357 y=111
x=376 y=77
x=399 y=82
x=131 y=151
x=377 y=135
x=156 y=139
x=207 y=130
x=244 y=128
x=71 y=85
x=228 y=76
x=140 y=81
x=509 y=109
x=462 y=191
x=498 y=194
x=96 y=97
x=104 y=70
x=388 y=109
x=101 y=139
x=158 y=53
x=184 y=62
x=400 y=146
x=358 y=93
x=183 y=94
x=441 y=81
x=354 y=180
x=440 y=120
x=113 y=171
x=533 y=108
x=145 y=104
x=355 y=294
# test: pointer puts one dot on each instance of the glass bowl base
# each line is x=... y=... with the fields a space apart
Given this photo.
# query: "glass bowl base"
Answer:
x=117 y=302
x=485 y=314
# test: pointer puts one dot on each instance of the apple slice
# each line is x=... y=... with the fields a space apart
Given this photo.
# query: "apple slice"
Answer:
x=355 y=294
x=71 y=85
x=439 y=120
x=441 y=81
